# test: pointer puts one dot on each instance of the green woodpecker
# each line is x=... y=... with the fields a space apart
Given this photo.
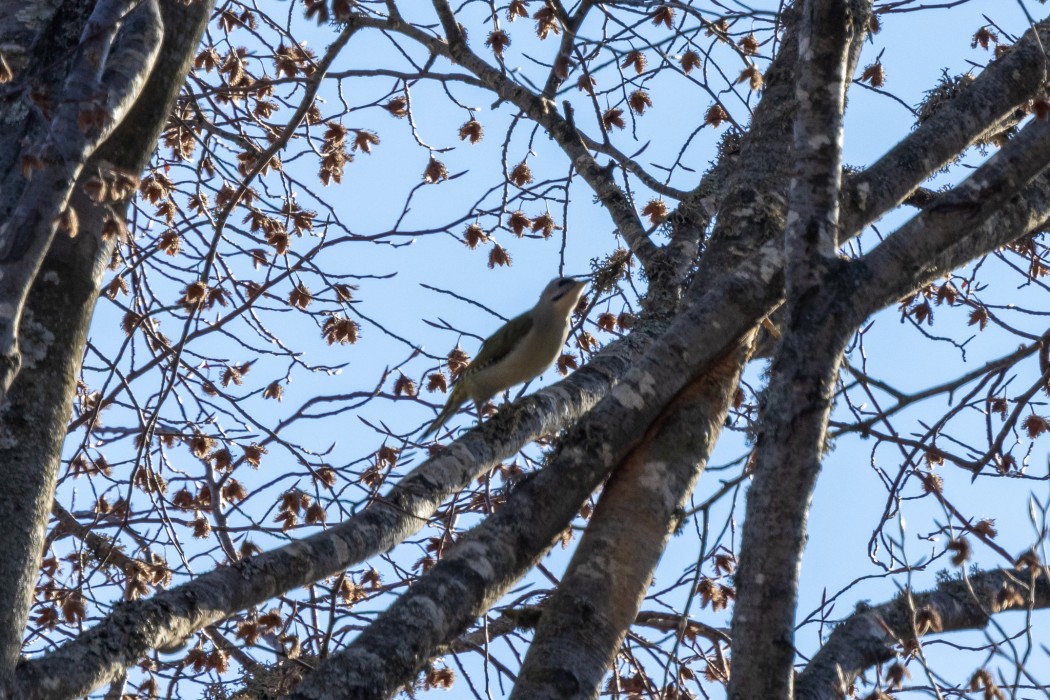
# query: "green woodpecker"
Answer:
x=519 y=351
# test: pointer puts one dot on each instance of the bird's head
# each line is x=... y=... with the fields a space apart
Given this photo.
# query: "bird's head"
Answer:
x=562 y=295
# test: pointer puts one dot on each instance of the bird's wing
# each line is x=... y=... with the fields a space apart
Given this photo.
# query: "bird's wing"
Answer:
x=501 y=342
x=492 y=351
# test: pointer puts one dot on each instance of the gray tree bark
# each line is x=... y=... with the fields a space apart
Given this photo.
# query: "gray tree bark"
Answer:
x=676 y=370
x=60 y=275
x=585 y=621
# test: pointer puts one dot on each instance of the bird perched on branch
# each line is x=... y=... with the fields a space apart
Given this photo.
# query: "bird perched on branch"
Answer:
x=519 y=351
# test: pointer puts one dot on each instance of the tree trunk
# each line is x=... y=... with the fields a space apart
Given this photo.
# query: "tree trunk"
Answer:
x=53 y=328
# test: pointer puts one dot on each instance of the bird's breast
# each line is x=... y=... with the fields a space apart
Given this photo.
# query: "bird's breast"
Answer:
x=534 y=354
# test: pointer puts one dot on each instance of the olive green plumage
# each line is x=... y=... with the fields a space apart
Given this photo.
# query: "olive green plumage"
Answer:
x=519 y=351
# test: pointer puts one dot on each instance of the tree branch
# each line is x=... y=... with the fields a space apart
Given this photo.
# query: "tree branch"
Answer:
x=585 y=621
x=113 y=61
x=165 y=620
x=488 y=559
x=543 y=112
x=1000 y=89
x=875 y=635
x=931 y=244
x=797 y=402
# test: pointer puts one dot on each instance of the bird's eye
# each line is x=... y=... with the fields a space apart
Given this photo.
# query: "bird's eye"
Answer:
x=564 y=281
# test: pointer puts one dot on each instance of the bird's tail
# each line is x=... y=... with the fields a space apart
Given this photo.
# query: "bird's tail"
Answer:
x=455 y=400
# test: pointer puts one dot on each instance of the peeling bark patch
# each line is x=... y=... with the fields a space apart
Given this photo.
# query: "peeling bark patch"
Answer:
x=34 y=340
x=634 y=399
x=655 y=481
x=770 y=261
x=863 y=192
x=818 y=140
x=475 y=556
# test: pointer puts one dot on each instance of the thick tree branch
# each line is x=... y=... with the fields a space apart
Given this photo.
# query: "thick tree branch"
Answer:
x=880 y=633
x=952 y=231
x=796 y=405
x=1000 y=89
x=33 y=420
x=811 y=236
x=112 y=63
x=585 y=621
x=794 y=412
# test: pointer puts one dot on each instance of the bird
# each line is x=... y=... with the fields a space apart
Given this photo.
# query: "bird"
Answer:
x=519 y=351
